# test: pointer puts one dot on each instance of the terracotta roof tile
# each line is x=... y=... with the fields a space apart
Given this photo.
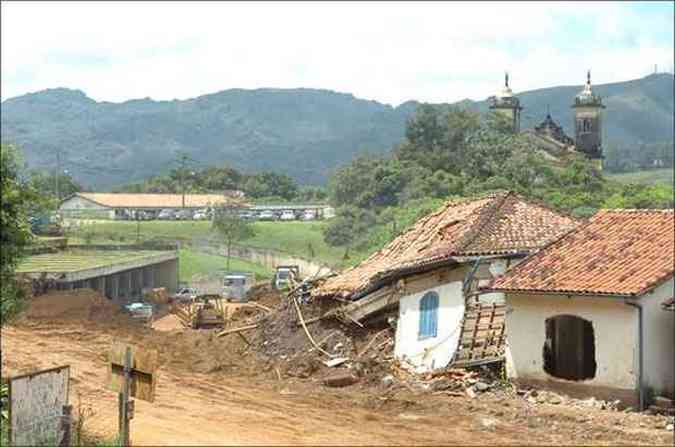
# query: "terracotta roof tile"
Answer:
x=121 y=200
x=500 y=223
x=617 y=252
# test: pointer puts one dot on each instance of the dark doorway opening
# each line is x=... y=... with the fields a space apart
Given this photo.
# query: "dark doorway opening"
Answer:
x=569 y=349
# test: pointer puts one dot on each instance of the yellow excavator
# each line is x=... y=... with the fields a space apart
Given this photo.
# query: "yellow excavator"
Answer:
x=204 y=312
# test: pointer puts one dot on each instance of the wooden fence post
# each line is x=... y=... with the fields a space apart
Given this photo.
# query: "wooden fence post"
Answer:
x=66 y=426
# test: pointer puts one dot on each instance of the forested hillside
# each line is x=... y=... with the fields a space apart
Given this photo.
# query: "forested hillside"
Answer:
x=305 y=133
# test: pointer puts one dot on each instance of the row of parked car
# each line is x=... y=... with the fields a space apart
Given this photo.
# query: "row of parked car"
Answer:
x=207 y=214
x=279 y=215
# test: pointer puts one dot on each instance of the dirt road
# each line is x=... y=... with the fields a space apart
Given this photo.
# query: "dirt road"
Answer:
x=227 y=408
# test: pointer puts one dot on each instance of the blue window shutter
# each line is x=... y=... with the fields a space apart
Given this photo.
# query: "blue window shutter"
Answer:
x=428 y=315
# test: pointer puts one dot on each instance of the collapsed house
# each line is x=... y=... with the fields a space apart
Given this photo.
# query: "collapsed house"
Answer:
x=427 y=278
x=588 y=310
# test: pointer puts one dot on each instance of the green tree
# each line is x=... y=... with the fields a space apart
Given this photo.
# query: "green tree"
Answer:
x=44 y=183
x=437 y=140
x=17 y=196
x=267 y=184
x=349 y=226
x=218 y=179
x=231 y=227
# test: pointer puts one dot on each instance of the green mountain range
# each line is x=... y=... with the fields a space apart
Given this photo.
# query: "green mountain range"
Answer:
x=306 y=133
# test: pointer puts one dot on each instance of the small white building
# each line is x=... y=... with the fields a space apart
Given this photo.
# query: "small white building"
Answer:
x=587 y=311
x=429 y=274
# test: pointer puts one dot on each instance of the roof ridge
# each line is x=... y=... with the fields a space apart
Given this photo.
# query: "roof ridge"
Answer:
x=483 y=221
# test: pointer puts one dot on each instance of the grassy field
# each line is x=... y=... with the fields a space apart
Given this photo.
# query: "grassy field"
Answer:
x=650 y=176
x=302 y=239
x=193 y=263
x=75 y=260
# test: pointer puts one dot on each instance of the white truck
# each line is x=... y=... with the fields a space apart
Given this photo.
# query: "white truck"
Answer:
x=236 y=285
x=284 y=276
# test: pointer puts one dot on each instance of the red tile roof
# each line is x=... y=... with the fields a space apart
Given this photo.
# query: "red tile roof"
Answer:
x=617 y=252
x=500 y=223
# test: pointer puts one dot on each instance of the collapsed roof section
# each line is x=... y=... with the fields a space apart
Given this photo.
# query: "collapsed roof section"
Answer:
x=498 y=224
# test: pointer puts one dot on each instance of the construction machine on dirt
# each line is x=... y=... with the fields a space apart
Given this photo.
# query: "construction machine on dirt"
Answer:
x=204 y=312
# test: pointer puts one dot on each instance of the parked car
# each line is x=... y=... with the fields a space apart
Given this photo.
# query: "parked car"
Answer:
x=247 y=215
x=140 y=311
x=185 y=295
x=165 y=215
x=287 y=215
x=184 y=215
x=200 y=215
x=308 y=215
x=144 y=215
x=266 y=215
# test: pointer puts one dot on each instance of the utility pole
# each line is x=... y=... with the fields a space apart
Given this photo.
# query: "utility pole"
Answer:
x=182 y=162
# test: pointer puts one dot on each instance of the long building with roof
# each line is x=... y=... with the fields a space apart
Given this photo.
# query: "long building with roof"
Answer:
x=113 y=205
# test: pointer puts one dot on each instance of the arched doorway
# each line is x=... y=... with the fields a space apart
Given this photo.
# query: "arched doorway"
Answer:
x=569 y=349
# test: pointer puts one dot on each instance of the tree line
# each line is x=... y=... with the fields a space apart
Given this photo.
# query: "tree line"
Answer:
x=263 y=186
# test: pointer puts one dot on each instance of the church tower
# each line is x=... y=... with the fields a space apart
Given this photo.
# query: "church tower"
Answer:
x=507 y=104
x=588 y=123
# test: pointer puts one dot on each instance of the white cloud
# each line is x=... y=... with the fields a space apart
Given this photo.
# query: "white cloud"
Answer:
x=389 y=52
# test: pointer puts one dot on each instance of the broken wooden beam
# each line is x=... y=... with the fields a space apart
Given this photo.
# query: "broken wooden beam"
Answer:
x=236 y=330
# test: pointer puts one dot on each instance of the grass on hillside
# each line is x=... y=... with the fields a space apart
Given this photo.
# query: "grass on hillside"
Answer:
x=649 y=176
x=303 y=239
x=192 y=262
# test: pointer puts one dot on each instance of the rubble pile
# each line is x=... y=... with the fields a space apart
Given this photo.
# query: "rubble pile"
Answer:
x=334 y=348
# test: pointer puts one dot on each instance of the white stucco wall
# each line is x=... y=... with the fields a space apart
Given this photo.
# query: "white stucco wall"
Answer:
x=434 y=352
x=614 y=325
x=80 y=203
x=659 y=341
x=78 y=206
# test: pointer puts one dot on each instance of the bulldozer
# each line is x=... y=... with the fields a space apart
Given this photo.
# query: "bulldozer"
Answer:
x=204 y=312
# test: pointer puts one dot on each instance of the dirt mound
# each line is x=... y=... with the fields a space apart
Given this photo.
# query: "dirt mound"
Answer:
x=78 y=304
x=199 y=351
x=265 y=294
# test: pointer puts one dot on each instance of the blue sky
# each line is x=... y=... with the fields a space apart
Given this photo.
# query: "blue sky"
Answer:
x=389 y=52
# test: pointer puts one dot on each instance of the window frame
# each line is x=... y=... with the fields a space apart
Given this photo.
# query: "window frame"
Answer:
x=427 y=326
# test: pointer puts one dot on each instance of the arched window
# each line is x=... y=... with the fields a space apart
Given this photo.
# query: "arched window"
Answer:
x=428 y=315
x=587 y=125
